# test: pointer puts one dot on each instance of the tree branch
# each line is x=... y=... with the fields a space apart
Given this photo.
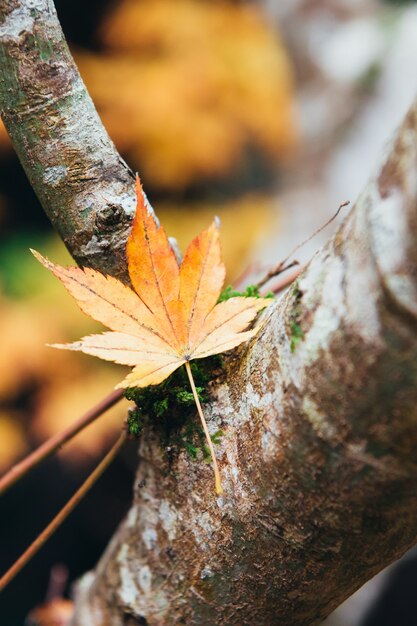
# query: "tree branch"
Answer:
x=318 y=458
x=85 y=187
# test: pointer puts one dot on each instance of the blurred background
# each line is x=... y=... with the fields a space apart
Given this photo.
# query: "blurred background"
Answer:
x=268 y=113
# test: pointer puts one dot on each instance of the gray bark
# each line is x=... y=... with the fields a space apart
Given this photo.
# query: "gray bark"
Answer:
x=318 y=458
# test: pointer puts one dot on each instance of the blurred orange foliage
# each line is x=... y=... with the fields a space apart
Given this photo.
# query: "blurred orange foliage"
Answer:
x=189 y=89
x=43 y=390
x=57 y=612
x=252 y=212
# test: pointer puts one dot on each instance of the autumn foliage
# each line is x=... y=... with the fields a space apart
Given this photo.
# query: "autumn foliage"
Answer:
x=190 y=90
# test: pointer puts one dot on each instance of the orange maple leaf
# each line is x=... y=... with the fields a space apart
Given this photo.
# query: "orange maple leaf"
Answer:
x=171 y=316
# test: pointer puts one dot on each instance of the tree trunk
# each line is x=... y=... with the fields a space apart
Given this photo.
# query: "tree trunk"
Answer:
x=318 y=455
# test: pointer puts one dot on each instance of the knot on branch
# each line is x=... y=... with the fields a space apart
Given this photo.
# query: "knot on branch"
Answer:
x=109 y=216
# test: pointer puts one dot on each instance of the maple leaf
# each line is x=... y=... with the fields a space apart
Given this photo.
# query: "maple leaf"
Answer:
x=171 y=315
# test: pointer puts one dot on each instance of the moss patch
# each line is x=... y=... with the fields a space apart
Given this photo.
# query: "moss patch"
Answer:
x=251 y=291
x=171 y=407
x=295 y=331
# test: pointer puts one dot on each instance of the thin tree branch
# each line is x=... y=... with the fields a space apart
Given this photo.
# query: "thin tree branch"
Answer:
x=56 y=442
x=63 y=514
x=83 y=184
x=285 y=281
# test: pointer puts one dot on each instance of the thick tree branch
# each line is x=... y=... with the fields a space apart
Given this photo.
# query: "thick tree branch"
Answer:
x=83 y=184
x=318 y=459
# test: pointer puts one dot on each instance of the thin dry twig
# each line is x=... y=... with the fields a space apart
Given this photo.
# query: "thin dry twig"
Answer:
x=57 y=441
x=63 y=514
x=284 y=265
x=285 y=282
x=276 y=271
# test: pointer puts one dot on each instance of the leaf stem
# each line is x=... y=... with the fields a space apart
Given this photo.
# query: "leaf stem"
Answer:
x=57 y=441
x=63 y=514
x=219 y=488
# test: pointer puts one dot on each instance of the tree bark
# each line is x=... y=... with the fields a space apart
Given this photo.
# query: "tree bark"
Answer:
x=82 y=182
x=318 y=457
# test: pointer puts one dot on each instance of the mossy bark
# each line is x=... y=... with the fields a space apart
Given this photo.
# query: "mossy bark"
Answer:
x=83 y=184
x=318 y=454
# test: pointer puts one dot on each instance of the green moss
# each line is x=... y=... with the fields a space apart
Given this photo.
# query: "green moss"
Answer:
x=45 y=47
x=295 y=331
x=171 y=408
x=158 y=400
x=187 y=398
x=134 y=422
x=296 y=335
x=251 y=291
